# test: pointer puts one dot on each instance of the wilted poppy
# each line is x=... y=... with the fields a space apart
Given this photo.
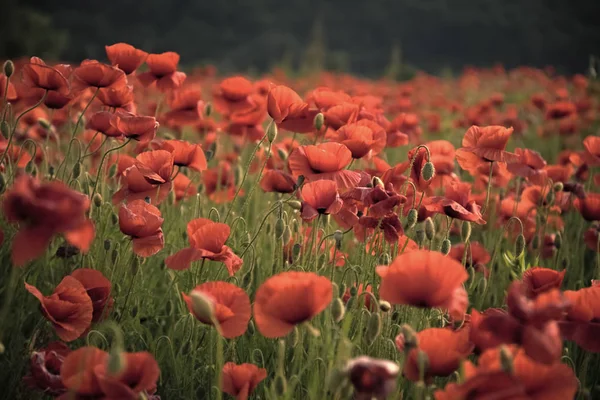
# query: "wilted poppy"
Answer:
x=324 y=161
x=44 y=210
x=69 y=308
x=163 y=71
x=277 y=181
x=98 y=287
x=92 y=73
x=125 y=57
x=241 y=380
x=207 y=240
x=319 y=198
x=485 y=144
x=44 y=368
x=288 y=299
x=142 y=221
x=230 y=307
x=425 y=278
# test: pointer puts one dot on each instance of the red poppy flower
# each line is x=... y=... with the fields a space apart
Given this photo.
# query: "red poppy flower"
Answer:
x=445 y=349
x=136 y=127
x=78 y=371
x=591 y=155
x=219 y=183
x=163 y=71
x=424 y=278
x=560 y=110
x=324 y=161
x=485 y=144
x=530 y=165
x=120 y=98
x=44 y=368
x=589 y=206
x=288 y=299
x=403 y=128
x=125 y=57
x=283 y=103
x=186 y=154
x=539 y=280
x=38 y=75
x=319 y=197
x=183 y=188
x=186 y=107
x=277 y=181
x=582 y=323
x=325 y=98
x=379 y=201
x=139 y=376
x=207 y=241
x=340 y=115
x=241 y=380
x=142 y=221
x=104 y=122
x=389 y=224
x=232 y=94
x=452 y=209
x=98 y=288
x=477 y=256
x=44 y=210
x=364 y=138
x=590 y=237
x=230 y=306
x=150 y=176
x=92 y=73
x=69 y=308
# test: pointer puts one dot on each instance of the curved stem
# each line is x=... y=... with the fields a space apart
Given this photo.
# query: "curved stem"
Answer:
x=102 y=163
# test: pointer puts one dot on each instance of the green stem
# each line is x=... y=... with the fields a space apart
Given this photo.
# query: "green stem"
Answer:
x=12 y=282
x=102 y=163
x=489 y=189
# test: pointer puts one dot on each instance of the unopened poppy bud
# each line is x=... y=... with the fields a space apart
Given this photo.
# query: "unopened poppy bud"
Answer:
x=338 y=236
x=420 y=237
x=296 y=251
x=247 y=279
x=117 y=362
x=114 y=255
x=423 y=363
x=465 y=231
x=112 y=171
x=211 y=151
x=373 y=327
x=282 y=154
x=410 y=337
x=384 y=306
x=376 y=181
x=428 y=171
x=535 y=243
x=338 y=310
x=208 y=109
x=353 y=291
x=5 y=128
x=506 y=360
x=411 y=218
x=29 y=167
x=9 y=68
x=97 y=199
x=385 y=259
x=279 y=228
x=295 y=204
x=342 y=289
x=251 y=329
x=280 y=385
x=319 y=121
x=287 y=235
x=558 y=240
x=429 y=228
x=272 y=132
x=44 y=123
x=202 y=306
x=76 y=170
x=558 y=187
x=446 y=244
x=107 y=244
x=299 y=181
x=519 y=245
x=2 y=183
x=550 y=197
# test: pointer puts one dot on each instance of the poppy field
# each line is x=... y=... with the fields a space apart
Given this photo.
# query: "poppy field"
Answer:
x=171 y=234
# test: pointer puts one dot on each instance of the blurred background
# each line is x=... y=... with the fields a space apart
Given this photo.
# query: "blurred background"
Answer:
x=365 y=37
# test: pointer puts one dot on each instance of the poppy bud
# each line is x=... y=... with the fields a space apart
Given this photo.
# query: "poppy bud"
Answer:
x=535 y=243
x=446 y=244
x=373 y=327
x=280 y=385
x=279 y=228
x=44 y=123
x=385 y=259
x=465 y=231
x=428 y=171
x=208 y=109
x=420 y=237
x=384 y=306
x=558 y=187
x=558 y=240
x=9 y=68
x=76 y=170
x=287 y=235
x=115 y=254
x=410 y=337
x=247 y=279
x=272 y=132
x=282 y=154
x=107 y=244
x=117 y=362
x=202 y=306
x=342 y=288
x=2 y=183
x=5 y=129
x=295 y=204
x=296 y=251
x=550 y=197
x=353 y=291
x=429 y=228
x=319 y=121
x=29 y=167
x=411 y=218
x=251 y=329
x=338 y=236
x=506 y=360
x=519 y=245
x=338 y=310
x=376 y=181
x=300 y=181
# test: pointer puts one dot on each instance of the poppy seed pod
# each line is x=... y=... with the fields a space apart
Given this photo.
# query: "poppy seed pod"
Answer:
x=5 y=129
x=373 y=327
x=446 y=245
x=429 y=228
x=319 y=121
x=208 y=109
x=9 y=68
x=338 y=236
x=338 y=310
x=296 y=251
x=384 y=306
x=411 y=218
x=519 y=245
x=272 y=132
x=202 y=306
x=295 y=204
x=428 y=171
x=97 y=199
x=558 y=187
x=465 y=231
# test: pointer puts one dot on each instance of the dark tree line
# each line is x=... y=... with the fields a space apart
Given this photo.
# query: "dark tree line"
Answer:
x=349 y=34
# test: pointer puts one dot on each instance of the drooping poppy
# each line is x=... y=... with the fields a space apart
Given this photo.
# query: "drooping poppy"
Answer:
x=539 y=280
x=423 y=278
x=163 y=72
x=69 y=308
x=485 y=144
x=445 y=349
x=207 y=241
x=44 y=368
x=142 y=221
x=92 y=73
x=241 y=380
x=230 y=307
x=44 y=210
x=288 y=299
x=98 y=287
x=319 y=198
x=277 y=181
x=125 y=57
x=324 y=161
